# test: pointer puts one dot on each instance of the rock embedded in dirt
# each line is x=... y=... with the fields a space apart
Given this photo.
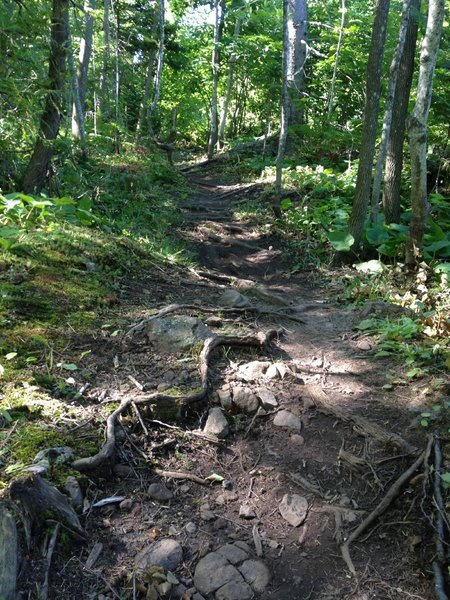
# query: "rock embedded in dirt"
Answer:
x=159 y=492
x=217 y=423
x=234 y=299
x=297 y=439
x=256 y=574
x=273 y=372
x=176 y=334
x=233 y=553
x=126 y=505
x=245 y=399
x=123 y=470
x=213 y=571
x=190 y=528
x=294 y=509
x=164 y=553
x=72 y=487
x=225 y=398
x=246 y=512
x=253 y=370
x=268 y=400
x=286 y=419
x=206 y=514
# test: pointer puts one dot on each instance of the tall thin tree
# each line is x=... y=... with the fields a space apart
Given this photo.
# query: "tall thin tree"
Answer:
x=84 y=56
x=215 y=60
x=159 y=67
x=231 y=68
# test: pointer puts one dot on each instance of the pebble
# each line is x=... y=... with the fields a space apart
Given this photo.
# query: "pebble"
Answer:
x=72 y=487
x=191 y=528
x=159 y=492
x=245 y=399
x=217 y=423
x=206 y=514
x=246 y=512
x=294 y=509
x=267 y=398
x=284 y=418
x=126 y=505
x=253 y=370
x=166 y=553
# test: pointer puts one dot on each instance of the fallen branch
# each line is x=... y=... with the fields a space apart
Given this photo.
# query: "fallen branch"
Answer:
x=106 y=453
x=390 y=495
x=364 y=426
x=48 y=562
x=179 y=475
x=440 y=528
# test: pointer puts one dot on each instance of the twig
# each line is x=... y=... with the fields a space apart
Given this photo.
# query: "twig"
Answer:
x=179 y=475
x=136 y=383
x=138 y=415
x=48 y=562
x=391 y=494
x=439 y=503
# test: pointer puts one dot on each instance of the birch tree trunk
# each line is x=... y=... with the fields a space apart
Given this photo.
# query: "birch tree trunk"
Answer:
x=78 y=127
x=284 y=112
x=336 y=61
x=370 y=126
x=104 y=79
x=213 y=129
x=394 y=155
x=39 y=166
x=297 y=55
x=387 y=121
x=159 y=67
x=417 y=132
x=116 y=8
x=148 y=80
x=84 y=57
x=231 y=67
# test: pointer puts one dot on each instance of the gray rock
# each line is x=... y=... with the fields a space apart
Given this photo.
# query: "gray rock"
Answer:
x=243 y=546
x=268 y=400
x=214 y=571
x=253 y=370
x=294 y=509
x=225 y=398
x=165 y=553
x=190 y=528
x=273 y=372
x=206 y=514
x=72 y=487
x=159 y=492
x=255 y=574
x=234 y=299
x=284 y=418
x=234 y=590
x=176 y=334
x=126 y=505
x=217 y=423
x=58 y=456
x=197 y=596
x=123 y=470
x=233 y=553
x=247 y=512
x=245 y=399
x=178 y=591
x=297 y=439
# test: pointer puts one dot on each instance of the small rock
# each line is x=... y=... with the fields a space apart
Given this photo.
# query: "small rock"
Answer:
x=126 y=504
x=234 y=590
x=213 y=321
x=206 y=514
x=246 y=512
x=268 y=400
x=255 y=574
x=234 y=299
x=308 y=403
x=227 y=484
x=233 y=553
x=273 y=372
x=197 y=596
x=123 y=471
x=243 y=546
x=245 y=399
x=185 y=488
x=253 y=370
x=214 y=571
x=294 y=509
x=216 y=423
x=72 y=487
x=159 y=492
x=225 y=398
x=365 y=345
x=284 y=418
x=178 y=591
x=176 y=334
x=166 y=553
x=297 y=439
x=221 y=524
x=191 y=528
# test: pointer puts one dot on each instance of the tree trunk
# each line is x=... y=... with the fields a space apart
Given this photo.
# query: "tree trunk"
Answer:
x=284 y=112
x=370 y=126
x=388 y=111
x=213 y=130
x=78 y=128
x=231 y=67
x=84 y=56
x=296 y=59
x=104 y=80
x=159 y=67
x=148 y=80
x=417 y=132
x=115 y=5
x=394 y=155
x=336 y=61
x=39 y=165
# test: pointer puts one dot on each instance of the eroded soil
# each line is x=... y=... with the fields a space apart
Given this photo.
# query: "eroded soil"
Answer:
x=261 y=460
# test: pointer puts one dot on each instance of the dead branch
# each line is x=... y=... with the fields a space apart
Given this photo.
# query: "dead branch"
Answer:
x=391 y=494
x=440 y=529
x=362 y=425
x=106 y=453
x=179 y=475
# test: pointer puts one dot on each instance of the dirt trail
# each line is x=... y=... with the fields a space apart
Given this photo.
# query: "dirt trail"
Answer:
x=341 y=470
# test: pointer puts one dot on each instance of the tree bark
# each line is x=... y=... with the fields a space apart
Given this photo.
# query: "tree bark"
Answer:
x=394 y=155
x=388 y=111
x=78 y=128
x=104 y=80
x=159 y=67
x=148 y=80
x=370 y=126
x=231 y=67
x=417 y=132
x=296 y=59
x=213 y=129
x=39 y=165
x=84 y=57
x=336 y=61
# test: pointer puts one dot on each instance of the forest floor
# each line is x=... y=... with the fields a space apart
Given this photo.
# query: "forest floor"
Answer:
x=333 y=454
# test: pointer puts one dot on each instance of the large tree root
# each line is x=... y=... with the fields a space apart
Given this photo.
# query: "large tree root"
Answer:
x=391 y=494
x=365 y=427
x=105 y=454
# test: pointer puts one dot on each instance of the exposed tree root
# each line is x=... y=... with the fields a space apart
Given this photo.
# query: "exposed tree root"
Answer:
x=365 y=427
x=106 y=453
x=391 y=494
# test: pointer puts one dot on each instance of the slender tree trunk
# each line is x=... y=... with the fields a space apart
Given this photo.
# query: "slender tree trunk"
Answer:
x=39 y=165
x=370 y=126
x=116 y=8
x=394 y=155
x=297 y=55
x=159 y=67
x=388 y=111
x=148 y=80
x=231 y=67
x=284 y=113
x=104 y=80
x=78 y=128
x=84 y=57
x=330 y=100
x=417 y=132
x=213 y=130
